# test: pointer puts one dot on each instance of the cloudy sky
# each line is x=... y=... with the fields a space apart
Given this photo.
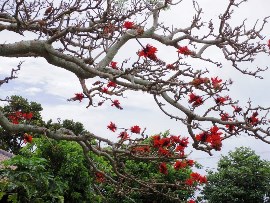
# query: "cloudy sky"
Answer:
x=52 y=86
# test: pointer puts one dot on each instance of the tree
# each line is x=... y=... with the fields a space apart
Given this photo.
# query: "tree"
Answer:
x=241 y=177
x=84 y=37
x=19 y=110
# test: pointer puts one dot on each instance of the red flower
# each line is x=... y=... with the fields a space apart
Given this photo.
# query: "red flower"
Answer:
x=116 y=103
x=237 y=109
x=27 y=138
x=163 y=152
x=198 y=81
x=184 y=50
x=78 y=96
x=190 y=162
x=27 y=116
x=171 y=67
x=111 y=84
x=268 y=44
x=221 y=100
x=189 y=181
x=216 y=83
x=253 y=119
x=112 y=127
x=163 y=168
x=105 y=90
x=180 y=164
x=114 y=65
x=124 y=136
x=165 y=142
x=191 y=201
x=128 y=25
x=224 y=117
x=195 y=100
x=99 y=177
x=149 y=52
x=143 y=149
x=135 y=129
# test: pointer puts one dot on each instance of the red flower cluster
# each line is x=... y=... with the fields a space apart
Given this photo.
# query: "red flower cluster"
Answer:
x=170 y=67
x=112 y=127
x=196 y=177
x=163 y=168
x=237 y=109
x=184 y=50
x=141 y=149
x=135 y=129
x=116 y=103
x=174 y=142
x=105 y=90
x=268 y=44
x=78 y=96
x=111 y=84
x=100 y=178
x=191 y=201
x=198 y=81
x=221 y=100
x=149 y=52
x=123 y=135
x=216 y=83
x=212 y=136
x=129 y=25
x=253 y=120
x=114 y=65
x=195 y=100
x=27 y=138
x=18 y=115
x=183 y=164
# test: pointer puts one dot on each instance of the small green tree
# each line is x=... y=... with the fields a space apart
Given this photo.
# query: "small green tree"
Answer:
x=241 y=177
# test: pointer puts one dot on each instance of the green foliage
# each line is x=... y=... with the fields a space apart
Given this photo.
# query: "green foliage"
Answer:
x=241 y=177
x=26 y=179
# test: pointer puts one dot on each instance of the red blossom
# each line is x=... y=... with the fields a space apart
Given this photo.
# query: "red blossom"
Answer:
x=180 y=164
x=184 y=50
x=123 y=135
x=27 y=116
x=163 y=152
x=128 y=25
x=116 y=103
x=170 y=67
x=99 y=177
x=253 y=120
x=268 y=44
x=213 y=137
x=105 y=90
x=195 y=100
x=237 y=109
x=135 y=129
x=149 y=52
x=216 y=83
x=221 y=100
x=114 y=65
x=190 y=162
x=27 y=138
x=198 y=81
x=224 y=117
x=189 y=181
x=78 y=96
x=163 y=168
x=111 y=84
x=165 y=142
x=112 y=127
x=191 y=201
x=142 y=149
x=197 y=177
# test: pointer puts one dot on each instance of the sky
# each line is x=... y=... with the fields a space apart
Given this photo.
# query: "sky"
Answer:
x=52 y=86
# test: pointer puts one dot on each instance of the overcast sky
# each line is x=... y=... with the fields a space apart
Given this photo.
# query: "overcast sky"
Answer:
x=52 y=86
